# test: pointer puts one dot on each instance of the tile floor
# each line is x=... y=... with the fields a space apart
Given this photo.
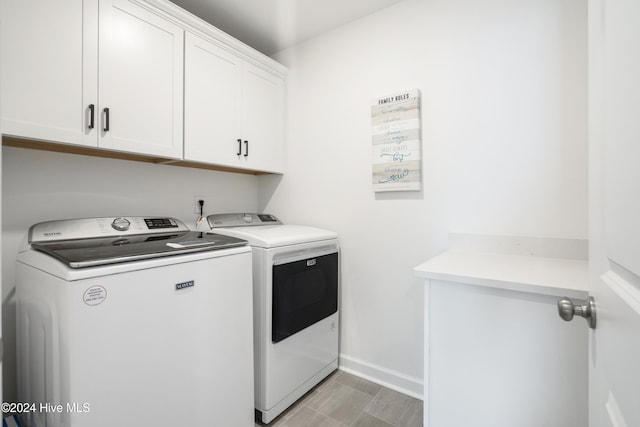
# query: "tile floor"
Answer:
x=344 y=400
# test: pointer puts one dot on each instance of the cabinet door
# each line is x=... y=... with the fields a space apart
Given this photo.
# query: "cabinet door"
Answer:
x=211 y=103
x=48 y=68
x=263 y=106
x=140 y=84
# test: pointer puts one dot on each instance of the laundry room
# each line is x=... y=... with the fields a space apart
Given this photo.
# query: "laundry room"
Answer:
x=503 y=148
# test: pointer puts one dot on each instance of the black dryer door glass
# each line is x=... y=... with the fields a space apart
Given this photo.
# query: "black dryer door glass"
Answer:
x=304 y=292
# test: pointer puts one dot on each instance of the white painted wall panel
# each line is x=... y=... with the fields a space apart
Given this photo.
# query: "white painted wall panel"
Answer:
x=503 y=88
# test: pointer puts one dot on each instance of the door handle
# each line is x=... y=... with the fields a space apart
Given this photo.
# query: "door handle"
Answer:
x=239 y=147
x=587 y=309
x=246 y=148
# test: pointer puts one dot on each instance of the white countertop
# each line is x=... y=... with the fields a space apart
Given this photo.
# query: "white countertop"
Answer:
x=525 y=273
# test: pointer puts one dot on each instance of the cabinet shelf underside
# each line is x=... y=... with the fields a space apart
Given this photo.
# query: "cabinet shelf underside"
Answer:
x=9 y=141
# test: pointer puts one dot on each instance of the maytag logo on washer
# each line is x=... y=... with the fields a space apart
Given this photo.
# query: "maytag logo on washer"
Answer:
x=184 y=285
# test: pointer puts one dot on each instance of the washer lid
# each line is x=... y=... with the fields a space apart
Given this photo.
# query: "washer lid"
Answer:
x=272 y=236
x=88 y=242
x=81 y=253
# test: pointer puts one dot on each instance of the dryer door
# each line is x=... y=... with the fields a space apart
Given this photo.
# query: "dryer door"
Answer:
x=304 y=292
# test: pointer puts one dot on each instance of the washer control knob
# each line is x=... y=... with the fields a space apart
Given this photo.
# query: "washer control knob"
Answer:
x=247 y=218
x=120 y=224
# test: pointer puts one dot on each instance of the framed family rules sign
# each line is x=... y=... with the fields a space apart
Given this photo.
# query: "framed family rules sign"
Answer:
x=396 y=141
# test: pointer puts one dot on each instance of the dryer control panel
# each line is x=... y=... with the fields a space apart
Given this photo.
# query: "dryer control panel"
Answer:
x=242 y=220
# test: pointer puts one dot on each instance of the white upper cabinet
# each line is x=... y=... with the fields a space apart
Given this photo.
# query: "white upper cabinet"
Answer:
x=43 y=69
x=212 y=91
x=263 y=109
x=59 y=83
x=139 y=76
x=51 y=61
x=140 y=84
x=234 y=111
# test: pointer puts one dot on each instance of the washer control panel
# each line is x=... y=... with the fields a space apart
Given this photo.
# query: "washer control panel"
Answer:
x=87 y=228
x=121 y=224
x=154 y=223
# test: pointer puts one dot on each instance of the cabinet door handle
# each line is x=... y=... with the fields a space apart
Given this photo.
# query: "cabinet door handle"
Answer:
x=106 y=119
x=92 y=111
x=246 y=148
x=239 y=147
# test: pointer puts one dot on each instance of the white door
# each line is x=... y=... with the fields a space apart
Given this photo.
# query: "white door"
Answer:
x=212 y=89
x=614 y=133
x=48 y=84
x=262 y=120
x=140 y=83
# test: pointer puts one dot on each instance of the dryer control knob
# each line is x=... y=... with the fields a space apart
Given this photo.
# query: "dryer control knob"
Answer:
x=247 y=218
x=120 y=224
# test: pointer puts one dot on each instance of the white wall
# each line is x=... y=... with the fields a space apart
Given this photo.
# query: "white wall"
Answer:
x=39 y=186
x=503 y=87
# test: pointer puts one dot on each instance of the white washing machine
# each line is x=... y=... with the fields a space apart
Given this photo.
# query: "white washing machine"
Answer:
x=296 y=289
x=133 y=322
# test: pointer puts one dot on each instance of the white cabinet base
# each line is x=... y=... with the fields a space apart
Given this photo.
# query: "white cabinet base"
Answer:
x=502 y=358
x=496 y=352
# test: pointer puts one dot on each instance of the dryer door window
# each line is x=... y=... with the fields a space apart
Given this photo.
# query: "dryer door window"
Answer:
x=304 y=292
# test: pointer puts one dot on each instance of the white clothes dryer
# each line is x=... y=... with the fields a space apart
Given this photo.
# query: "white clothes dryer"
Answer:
x=134 y=322
x=296 y=306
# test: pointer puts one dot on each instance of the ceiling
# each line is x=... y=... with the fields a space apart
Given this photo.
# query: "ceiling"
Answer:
x=273 y=25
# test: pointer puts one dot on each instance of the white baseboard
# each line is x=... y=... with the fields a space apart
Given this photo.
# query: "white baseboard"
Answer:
x=397 y=381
